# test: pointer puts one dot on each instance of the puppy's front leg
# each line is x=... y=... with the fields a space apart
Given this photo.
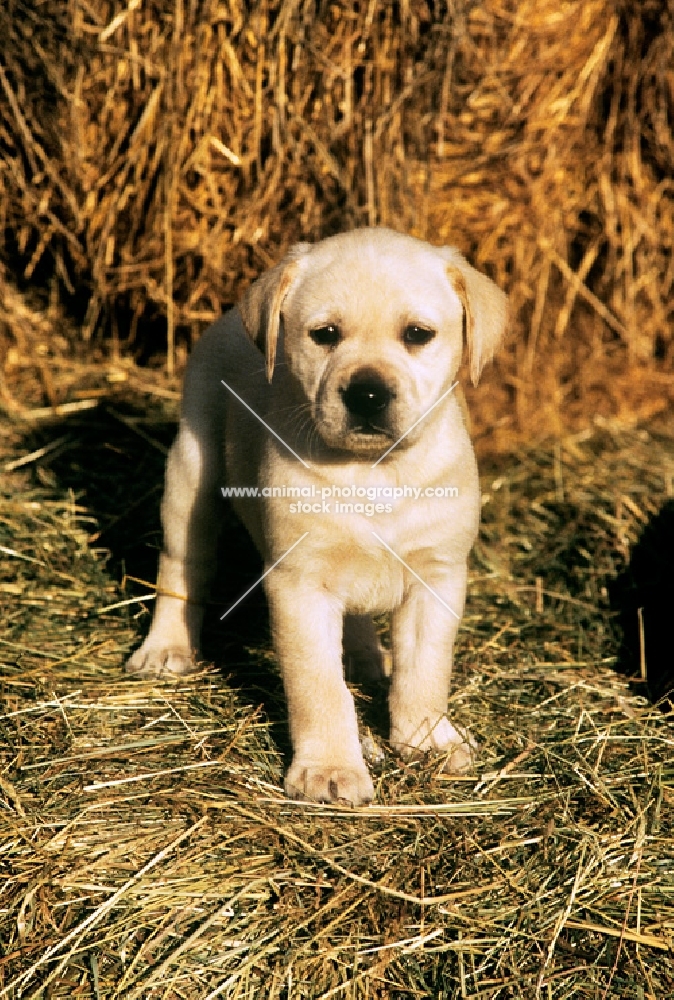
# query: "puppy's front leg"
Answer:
x=423 y=633
x=327 y=759
x=186 y=564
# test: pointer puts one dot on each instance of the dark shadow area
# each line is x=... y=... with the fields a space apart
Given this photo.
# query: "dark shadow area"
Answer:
x=643 y=597
x=113 y=459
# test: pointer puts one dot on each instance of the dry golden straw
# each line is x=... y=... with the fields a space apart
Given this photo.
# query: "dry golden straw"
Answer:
x=157 y=155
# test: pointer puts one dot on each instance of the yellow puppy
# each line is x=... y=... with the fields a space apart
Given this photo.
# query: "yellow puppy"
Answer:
x=348 y=407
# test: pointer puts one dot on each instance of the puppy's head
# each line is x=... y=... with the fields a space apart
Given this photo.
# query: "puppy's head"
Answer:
x=373 y=326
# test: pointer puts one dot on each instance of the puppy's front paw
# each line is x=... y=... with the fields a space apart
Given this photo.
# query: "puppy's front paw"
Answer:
x=458 y=746
x=328 y=782
x=161 y=661
x=460 y=757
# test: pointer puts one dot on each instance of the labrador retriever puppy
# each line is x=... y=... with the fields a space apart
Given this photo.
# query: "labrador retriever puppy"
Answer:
x=334 y=378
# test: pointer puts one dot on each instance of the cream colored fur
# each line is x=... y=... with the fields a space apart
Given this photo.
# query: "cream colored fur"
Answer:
x=339 y=407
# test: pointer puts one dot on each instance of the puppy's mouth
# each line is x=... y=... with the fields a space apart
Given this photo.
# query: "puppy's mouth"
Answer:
x=359 y=441
x=369 y=429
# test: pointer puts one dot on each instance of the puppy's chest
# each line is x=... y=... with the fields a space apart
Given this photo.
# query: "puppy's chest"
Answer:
x=364 y=576
x=368 y=560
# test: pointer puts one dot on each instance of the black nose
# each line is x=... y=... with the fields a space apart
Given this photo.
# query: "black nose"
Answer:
x=366 y=395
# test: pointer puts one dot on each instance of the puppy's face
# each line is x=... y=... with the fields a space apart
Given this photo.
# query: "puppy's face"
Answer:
x=373 y=335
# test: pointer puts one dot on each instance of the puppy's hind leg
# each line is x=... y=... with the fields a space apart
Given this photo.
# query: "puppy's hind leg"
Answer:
x=186 y=565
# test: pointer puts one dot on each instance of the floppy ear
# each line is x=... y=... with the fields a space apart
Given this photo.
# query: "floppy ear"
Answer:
x=262 y=303
x=485 y=308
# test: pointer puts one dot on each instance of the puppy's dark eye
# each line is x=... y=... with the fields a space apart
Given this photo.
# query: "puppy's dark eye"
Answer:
x=326 y=336
x=417 y=336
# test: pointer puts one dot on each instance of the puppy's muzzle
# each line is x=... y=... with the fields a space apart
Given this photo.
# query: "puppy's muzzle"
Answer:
x=366 y=399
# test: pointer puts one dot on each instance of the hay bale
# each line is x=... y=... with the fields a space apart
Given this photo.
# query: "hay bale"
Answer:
x=146 y=846
x=156 y=158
